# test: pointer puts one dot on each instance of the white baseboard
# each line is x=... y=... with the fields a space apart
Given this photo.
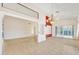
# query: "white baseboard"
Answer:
x=1 y=46
x=9 y=38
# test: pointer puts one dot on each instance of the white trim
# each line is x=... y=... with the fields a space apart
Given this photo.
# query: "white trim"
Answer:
x=63 y=36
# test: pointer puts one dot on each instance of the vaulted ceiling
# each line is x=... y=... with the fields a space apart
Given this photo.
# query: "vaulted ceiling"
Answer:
x=65 y=9
x=40 y=7
x=61 y=10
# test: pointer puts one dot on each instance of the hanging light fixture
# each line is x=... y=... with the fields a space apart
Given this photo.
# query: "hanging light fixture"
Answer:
x=49 y=19
x=51 y=22
x=52 y=19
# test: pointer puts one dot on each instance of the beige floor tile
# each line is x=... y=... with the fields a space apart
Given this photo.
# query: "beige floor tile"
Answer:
x=26 y=46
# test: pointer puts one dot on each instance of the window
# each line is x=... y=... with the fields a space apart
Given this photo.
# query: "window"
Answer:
x=64 y=30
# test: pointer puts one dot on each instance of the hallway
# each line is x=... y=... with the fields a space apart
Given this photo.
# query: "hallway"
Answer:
x=50 y=46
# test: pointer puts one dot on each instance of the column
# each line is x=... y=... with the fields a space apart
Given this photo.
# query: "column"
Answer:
x=41 y=28
x=78 y=27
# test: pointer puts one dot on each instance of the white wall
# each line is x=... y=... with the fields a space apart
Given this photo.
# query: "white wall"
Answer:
x=78 y=31
x=17 y=28
x=1 y=39
x=78 y=27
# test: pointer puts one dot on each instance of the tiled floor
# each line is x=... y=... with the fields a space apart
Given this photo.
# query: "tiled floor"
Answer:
x=51 y=46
